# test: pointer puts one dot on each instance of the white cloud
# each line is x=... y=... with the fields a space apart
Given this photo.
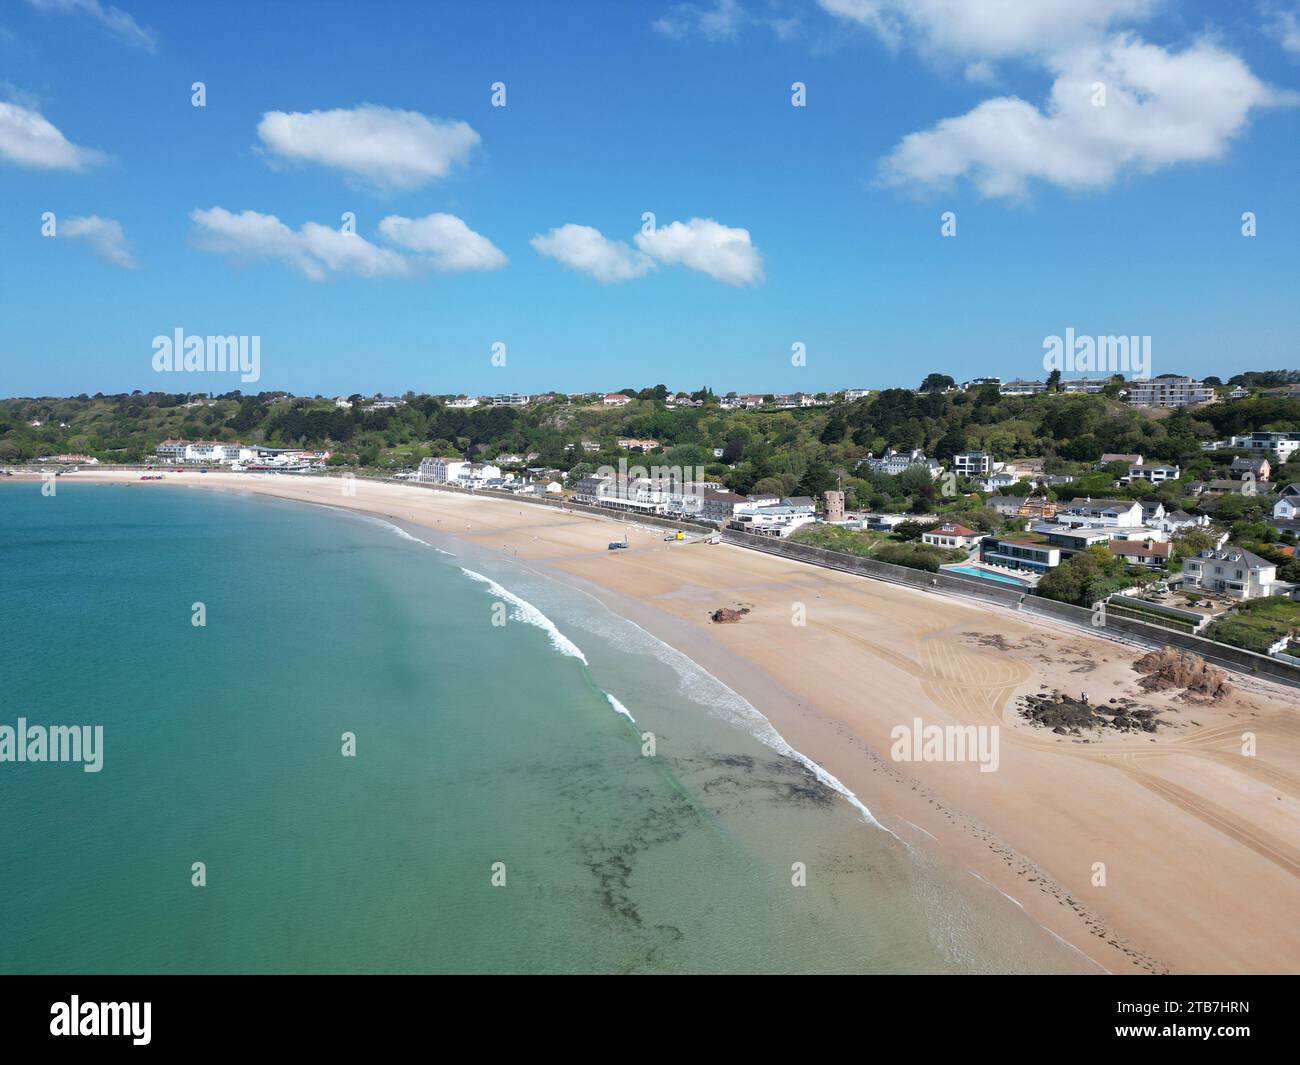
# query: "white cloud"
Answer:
x=1161 y=109
x=981 y=72
x=315 y=250
x=993 y=29
x=319 y=252
x=1284 y=25
x=391 y=149
x=114 y=19
x=588 y=251
x=104 y=235
x=28 y=139
x=722 y=252
x=450 y=243
x=720 y=22
x=725 y=20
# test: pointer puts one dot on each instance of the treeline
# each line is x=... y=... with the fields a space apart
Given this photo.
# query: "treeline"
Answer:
x=787 y=452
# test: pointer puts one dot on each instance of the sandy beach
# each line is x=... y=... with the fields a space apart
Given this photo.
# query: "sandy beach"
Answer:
x=1171 y=852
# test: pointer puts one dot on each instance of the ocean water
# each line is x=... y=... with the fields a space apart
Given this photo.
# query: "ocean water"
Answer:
x=501 y=725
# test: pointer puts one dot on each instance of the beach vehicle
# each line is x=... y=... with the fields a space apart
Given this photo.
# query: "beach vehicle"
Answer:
x=615 y=545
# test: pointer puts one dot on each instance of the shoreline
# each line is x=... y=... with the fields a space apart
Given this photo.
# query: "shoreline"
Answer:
x=872 y=654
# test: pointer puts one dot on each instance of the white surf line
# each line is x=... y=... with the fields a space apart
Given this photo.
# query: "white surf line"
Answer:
x=525 y=611
x=1103 y=968
x=1076 y=950
x=620 y=708
x=376 y=519
x=529 y=614
x=997 y=889
x=919 y=828
x=763 y=730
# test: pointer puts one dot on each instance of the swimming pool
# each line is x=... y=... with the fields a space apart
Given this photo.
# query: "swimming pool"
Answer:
x=987 y=575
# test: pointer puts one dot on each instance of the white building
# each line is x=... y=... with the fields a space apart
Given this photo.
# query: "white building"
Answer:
x=1168 y=392
x=895 y=462
x=720 y=506
x=510 y=399
x=1084 y=385
x=1232 y=571
x=1101 y=513
x=778 y=520
x=1283 y=444
x=1154 y=474
x=637 y=494
x=995 y=482
x=616 y=399
x=973 y=464
x=1287 y=508
x=207 y=451
x=479 y=475
x=440 y=470
x=463 y=402
x=1021 y=387
x=1175 y=521
x=952 y=535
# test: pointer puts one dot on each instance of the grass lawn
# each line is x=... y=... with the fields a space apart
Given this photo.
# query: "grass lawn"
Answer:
x=1257 y=624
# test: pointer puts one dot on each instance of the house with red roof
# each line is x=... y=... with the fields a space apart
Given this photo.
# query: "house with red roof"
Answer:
x=950 y=534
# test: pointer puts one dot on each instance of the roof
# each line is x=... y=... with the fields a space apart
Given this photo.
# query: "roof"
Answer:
x=1102 y=504
x=1231 y=553
x=953 y=529
x=1224 y=484
x=1140 y=547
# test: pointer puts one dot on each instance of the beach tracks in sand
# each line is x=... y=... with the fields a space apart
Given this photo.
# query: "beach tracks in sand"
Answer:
x=976 y=686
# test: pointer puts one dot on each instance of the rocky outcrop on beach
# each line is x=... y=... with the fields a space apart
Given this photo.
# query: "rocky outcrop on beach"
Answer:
x=1168 y=670
x=726 y=615
x=1070 y=717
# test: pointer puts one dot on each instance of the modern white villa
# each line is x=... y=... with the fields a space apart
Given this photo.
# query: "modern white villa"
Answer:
x=1232 y=571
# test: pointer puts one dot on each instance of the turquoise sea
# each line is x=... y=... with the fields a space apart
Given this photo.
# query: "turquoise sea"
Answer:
x=477 y=742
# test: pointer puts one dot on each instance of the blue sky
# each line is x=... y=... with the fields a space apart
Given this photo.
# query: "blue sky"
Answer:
x=816 y=224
